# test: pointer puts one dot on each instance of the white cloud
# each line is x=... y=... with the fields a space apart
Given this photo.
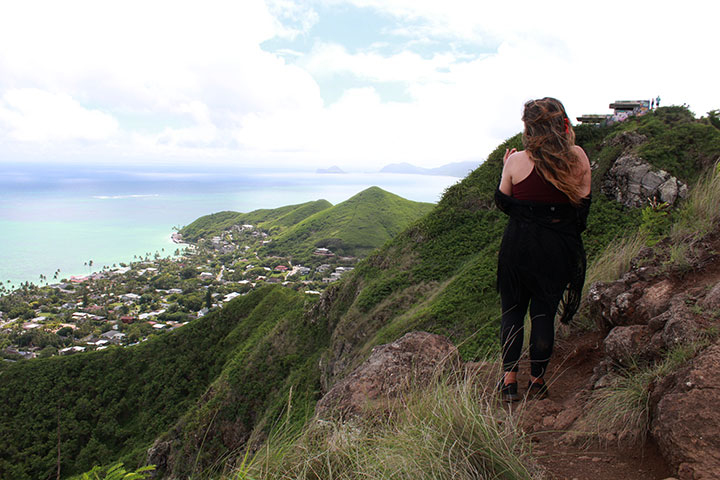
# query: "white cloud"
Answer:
x=197 y=75
x=32 y=115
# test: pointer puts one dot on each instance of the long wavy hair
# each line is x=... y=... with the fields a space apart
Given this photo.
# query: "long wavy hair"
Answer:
x=548 y=138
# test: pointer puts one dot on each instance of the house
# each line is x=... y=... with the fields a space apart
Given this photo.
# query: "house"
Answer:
x=69 y=350
x=127 y=319
x=206 y=275
x=129 y=297
x=114 y=336
x=281 y=268
x=230 y=296
x=622 y=110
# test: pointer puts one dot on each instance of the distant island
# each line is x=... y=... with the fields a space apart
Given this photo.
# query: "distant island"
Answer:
x=333 y=169
x=457 y=169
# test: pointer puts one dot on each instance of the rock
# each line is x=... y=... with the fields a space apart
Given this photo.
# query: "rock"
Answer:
x=414 y=359
x=632 y=181
x=605 y=381
x=610 y=304
x=679 y=329
x=628 y=139
x=686 y=419
x=658 y=322
x=158 y=455
x=712 y=299
x=627 y=342
x=655 y=299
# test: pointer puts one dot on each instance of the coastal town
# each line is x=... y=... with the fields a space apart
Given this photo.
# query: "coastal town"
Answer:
x=125 y=304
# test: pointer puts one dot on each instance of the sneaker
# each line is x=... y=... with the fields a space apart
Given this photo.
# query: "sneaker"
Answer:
x=509 y=392
x=537 y=390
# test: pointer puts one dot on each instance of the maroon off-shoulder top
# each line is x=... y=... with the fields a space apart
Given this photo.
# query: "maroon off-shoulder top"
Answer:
x=535 y=188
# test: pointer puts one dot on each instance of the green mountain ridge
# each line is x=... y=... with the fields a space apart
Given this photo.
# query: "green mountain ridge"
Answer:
x=200 y=393
x=272 y=219
x=353 y=227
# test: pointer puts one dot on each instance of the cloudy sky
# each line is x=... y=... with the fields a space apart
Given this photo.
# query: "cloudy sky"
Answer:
x=355 y=83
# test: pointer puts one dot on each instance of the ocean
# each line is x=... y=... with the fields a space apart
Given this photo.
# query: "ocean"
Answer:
x=63 y=217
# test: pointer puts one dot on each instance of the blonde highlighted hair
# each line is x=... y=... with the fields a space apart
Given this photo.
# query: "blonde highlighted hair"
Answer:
x=549 y=139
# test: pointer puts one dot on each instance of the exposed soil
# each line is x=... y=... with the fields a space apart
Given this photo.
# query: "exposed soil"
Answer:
x=569 y=372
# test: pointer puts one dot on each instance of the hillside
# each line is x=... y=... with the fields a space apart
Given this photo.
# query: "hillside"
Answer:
x=212 y=385
x=111 y=405
x=439 y=275
x=354 y=227
x=274 y=219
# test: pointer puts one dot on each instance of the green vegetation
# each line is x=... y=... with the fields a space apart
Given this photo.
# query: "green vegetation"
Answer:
x=275 y=352
x=112 y=404
x=267 y=219
x=116 y=472
x=354 y=227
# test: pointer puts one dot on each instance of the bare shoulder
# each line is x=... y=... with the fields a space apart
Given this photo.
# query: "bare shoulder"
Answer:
x=584 y=160
x=519 y=161
x=585 y=169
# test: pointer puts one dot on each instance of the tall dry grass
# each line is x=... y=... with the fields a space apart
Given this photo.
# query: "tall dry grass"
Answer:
x=700 y=213
x=453 y=429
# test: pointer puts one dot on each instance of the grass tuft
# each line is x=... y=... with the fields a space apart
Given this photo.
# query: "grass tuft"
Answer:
x=452 y=429
x=622 y=409
x=701 y=212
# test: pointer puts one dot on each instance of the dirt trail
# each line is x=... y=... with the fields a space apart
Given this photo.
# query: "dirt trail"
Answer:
x=569 y=372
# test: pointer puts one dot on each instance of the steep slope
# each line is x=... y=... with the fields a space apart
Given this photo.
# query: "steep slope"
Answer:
x=352 y=228
x=275 y=219
x=273 y=364
x=439 y=274
x=98 y=407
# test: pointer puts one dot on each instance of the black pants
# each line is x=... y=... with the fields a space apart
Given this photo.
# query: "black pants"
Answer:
x=542 y=330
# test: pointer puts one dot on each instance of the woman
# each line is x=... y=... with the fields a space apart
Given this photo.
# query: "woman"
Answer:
x=545 y=189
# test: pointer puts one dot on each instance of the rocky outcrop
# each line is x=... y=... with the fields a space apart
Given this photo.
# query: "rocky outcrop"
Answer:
x=649 y=311
x=632 y=181
x=390 y=370
x=686 y=419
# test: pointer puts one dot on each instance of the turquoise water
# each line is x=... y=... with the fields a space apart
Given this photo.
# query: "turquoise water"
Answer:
x=61 y=217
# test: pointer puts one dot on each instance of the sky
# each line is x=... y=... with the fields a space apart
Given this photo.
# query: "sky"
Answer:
x=315 y=83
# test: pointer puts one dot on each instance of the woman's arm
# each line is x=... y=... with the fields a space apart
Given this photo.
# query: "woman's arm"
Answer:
x=586 y=171
x=506 y=179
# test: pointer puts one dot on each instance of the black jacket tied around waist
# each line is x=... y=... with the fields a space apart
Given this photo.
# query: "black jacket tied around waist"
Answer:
x=542 y=250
